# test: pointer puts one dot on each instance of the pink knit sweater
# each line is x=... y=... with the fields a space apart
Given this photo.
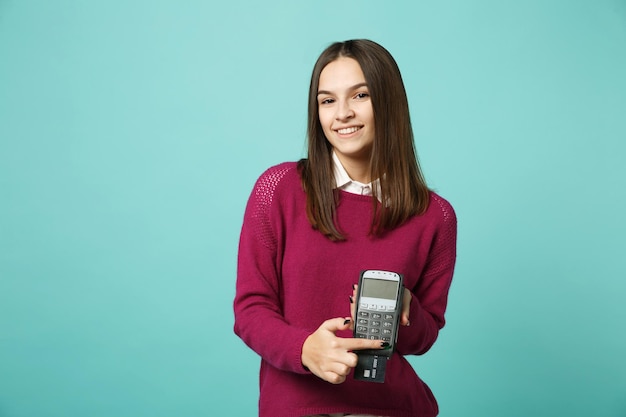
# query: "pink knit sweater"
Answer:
x=291 y=278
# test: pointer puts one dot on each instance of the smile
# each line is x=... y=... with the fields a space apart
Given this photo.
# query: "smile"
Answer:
x=348 y=130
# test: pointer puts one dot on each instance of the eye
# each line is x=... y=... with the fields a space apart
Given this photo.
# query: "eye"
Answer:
x=361 y=96
x=327 y=100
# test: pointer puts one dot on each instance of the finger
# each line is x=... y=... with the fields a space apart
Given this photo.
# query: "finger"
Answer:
x=334 y=378
x=352 y=312
x=404 y=318
x=336 y=324
x=361 y=344
x=350 y=359
x=406 y=308
x=337 y=371
x=353 y=305
x=341 y=368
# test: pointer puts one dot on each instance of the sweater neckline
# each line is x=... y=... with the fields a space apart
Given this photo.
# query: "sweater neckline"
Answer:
x=356 y=197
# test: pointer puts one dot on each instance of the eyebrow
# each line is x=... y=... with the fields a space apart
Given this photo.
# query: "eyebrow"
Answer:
x=354 y=87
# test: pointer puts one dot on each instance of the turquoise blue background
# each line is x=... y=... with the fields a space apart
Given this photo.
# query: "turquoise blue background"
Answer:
x=132 y=132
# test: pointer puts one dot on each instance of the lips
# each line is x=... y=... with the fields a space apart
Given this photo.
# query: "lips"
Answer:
x=348 y=130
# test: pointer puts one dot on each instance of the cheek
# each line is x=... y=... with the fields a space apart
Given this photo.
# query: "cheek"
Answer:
x=369 y=114
x=325 y=118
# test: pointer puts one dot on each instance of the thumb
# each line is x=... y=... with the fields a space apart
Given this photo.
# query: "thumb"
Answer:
x=336 y=324
x=406 y=308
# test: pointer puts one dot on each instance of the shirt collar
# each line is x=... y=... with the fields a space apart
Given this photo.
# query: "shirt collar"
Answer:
x=341 y=176
x=344 y=182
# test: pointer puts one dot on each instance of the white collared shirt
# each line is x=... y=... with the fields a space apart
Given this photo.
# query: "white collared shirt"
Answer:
x=345 y=183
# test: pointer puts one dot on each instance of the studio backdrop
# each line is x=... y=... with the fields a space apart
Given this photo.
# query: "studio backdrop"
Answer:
x=131 y=133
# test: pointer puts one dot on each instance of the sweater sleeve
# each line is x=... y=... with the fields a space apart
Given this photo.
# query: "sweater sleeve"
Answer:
x=259 y=320
x=430 y=294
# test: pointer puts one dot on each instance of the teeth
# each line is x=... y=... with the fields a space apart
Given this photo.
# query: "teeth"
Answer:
x=347 y=130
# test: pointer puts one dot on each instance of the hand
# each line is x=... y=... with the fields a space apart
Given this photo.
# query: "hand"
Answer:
x=406 y=306
x=331 y=357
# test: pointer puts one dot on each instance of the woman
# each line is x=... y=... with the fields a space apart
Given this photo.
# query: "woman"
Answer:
x=359 y=201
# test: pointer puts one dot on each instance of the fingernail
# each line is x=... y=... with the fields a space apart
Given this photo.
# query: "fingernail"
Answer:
x=351 y=300
x=384 y=345
x=346 y=322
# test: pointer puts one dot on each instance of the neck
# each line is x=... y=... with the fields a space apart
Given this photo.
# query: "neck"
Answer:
x=357 y=170
x=360 y=175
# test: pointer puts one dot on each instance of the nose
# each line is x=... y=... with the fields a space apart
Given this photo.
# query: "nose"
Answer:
x=344 y=111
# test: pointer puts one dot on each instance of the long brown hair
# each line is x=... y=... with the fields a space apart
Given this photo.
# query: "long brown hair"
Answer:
x=393 y=158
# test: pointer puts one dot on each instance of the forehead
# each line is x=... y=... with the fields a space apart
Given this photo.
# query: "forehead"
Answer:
x=340 y=74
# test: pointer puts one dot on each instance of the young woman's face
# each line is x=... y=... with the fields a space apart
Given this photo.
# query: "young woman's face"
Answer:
x=345 y=112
